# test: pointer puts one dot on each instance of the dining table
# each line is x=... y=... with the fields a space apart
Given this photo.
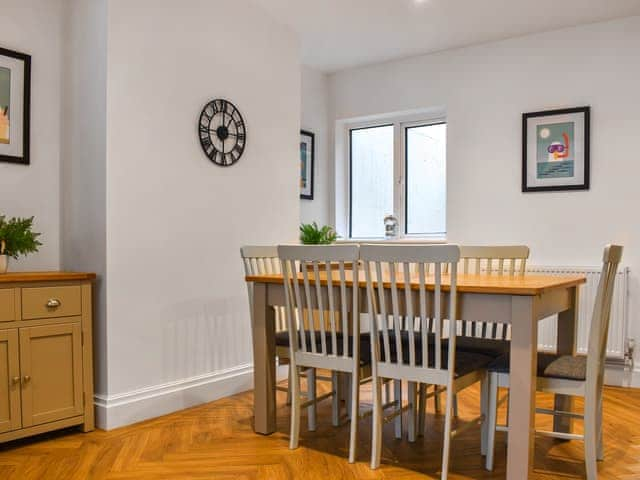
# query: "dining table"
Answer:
x=520 y=301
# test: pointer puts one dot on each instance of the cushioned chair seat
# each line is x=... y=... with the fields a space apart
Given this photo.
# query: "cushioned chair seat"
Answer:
x=550 y=366
x=485 y=346
x=466 y=362
x=282 y=340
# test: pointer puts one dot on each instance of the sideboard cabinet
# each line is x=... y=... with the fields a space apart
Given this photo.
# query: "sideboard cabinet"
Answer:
x=46 y=364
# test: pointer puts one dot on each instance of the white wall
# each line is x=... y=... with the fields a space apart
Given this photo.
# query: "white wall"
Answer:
x=84 y=158
x=35 y=27
x=315 y=116
x=485 y=89
x=177 y=304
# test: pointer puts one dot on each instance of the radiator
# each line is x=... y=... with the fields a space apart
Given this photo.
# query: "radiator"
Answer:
x=618 y=328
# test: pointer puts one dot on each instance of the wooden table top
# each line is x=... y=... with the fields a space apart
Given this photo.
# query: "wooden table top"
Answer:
x=528 y=285
x=26 y=277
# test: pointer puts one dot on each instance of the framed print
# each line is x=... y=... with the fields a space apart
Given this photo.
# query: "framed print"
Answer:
x=15 y=86
x=555 y=150
x=307 y=154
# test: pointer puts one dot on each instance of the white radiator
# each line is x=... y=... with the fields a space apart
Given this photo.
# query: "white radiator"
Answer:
x=617 y=342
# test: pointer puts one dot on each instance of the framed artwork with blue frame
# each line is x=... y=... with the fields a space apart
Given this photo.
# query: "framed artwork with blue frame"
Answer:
x=555 y=150
x=307 y=160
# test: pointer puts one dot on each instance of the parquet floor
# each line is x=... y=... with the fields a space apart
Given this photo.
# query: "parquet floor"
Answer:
x=216 y=441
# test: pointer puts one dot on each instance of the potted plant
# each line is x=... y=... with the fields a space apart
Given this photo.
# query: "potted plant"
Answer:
x=311 y=234
x=16 y=239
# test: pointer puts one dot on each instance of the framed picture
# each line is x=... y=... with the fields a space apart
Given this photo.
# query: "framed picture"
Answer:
x=15 y=91
x=307 y=157
x=555 y=150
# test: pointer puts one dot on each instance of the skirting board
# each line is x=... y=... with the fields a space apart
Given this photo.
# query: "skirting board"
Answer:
x=123 y=409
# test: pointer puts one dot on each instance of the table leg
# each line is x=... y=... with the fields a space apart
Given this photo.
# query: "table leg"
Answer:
x=264 y=362
x=522 y=391
x=566 y=345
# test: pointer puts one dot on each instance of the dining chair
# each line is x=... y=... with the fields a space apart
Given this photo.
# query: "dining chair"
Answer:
x=488 y=338
x=263 y=260
x=575 y=375
x=320 y=335
x=411 y=355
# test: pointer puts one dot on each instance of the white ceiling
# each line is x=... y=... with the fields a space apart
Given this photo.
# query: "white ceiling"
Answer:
x=338 y=34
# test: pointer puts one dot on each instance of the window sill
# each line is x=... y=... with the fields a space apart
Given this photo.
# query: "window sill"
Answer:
x=407 y=240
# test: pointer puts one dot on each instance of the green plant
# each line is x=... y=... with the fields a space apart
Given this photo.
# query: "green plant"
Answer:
x=311 y=234
x=16 y=237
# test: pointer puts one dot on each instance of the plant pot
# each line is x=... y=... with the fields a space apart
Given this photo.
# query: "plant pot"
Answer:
x=4 y=263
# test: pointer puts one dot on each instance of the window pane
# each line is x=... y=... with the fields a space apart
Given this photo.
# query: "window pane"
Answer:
x=426 y=179
x=371 y=180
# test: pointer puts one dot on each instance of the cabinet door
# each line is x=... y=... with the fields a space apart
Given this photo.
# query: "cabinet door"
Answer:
x=51 y=368
x=9 y=381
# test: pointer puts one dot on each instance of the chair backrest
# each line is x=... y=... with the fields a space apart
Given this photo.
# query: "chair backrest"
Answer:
x=601 y=314
x=491 y=260
x=315 y=289
x=385 y=299
x=263 y=260
x=260 y=260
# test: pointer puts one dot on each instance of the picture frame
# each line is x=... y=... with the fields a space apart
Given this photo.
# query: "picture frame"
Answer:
x=15 y=106
x=307 y=164
x=556 y=150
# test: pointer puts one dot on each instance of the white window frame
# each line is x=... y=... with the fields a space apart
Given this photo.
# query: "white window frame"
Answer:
x=400 y=123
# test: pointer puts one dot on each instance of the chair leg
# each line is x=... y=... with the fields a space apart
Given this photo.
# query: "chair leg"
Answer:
x=484 y=400
x=448 y=419
x=376 y=430
x=294 y=435
x=591 y=435
x=387 y=391
x=397 y=385
x=422 y=407
x=355 y=401
x=455 y=405
x=411 y=399
x=311 y=395
x=349 y=386
x=289 y=382
x=491 y=420
x=335 y=399
x=437 y=398
x=599 y=446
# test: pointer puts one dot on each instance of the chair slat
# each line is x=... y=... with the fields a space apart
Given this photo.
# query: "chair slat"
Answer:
x=345 y=303
x=332 y=313
x=424 y=327
x=309 y=307
x=302 y=316
x=320 y=305
x=384 y=321
x=395 y=310
x=410 y=316
x=438 y=315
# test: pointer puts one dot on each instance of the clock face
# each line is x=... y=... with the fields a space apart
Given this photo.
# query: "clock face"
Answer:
x=222 y=134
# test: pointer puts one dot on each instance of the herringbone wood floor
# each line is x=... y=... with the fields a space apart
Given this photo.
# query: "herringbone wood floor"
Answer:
x=216 y=441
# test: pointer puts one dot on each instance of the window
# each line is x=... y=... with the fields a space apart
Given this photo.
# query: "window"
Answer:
x=371 y=180
x=397 y=169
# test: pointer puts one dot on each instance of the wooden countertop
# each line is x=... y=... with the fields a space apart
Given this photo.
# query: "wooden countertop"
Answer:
x=26 y=277
x=488 y=284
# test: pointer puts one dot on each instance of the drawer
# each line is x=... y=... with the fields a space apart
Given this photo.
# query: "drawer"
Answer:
x=51 y=302
x=9 y=305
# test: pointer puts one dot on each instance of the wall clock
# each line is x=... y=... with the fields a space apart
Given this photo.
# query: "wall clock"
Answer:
x=222 y=132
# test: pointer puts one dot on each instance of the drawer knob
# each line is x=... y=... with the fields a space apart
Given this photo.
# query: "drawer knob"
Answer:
x=15 y=380
x=53 y=303
x=26 y=379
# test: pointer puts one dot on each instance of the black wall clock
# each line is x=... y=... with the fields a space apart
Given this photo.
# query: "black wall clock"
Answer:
x=223 y=134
